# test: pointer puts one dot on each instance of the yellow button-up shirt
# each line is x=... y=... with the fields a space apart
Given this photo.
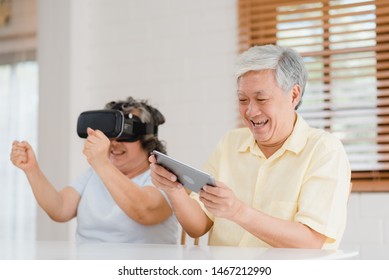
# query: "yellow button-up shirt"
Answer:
x=307 y=180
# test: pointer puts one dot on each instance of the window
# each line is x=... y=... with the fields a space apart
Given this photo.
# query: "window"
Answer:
x=345 y=44
x=18 y=120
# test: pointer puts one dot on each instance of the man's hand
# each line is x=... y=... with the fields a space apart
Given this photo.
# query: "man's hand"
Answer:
x=162 y=178
x=221 y=201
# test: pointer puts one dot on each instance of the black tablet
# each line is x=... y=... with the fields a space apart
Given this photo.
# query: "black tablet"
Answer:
x=188 y=176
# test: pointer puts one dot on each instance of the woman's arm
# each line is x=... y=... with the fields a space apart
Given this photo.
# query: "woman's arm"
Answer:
x=146 y=205
x=61 y=206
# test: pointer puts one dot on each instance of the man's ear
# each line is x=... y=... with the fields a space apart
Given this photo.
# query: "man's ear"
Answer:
x=296 y=95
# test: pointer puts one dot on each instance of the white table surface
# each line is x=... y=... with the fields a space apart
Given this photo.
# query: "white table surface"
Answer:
x=61 y=250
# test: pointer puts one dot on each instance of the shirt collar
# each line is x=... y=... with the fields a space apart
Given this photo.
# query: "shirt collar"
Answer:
x=295 y=142
x=299 y=137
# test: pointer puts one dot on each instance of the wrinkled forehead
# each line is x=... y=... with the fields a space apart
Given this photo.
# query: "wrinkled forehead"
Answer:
x=263 y=72
x=257 y=79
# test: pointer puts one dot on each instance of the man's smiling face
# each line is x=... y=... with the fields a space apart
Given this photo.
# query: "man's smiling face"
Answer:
x=266 y=110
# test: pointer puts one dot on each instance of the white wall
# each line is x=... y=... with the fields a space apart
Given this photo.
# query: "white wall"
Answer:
x=368 y=225
x=55 y=127
x=177 y=53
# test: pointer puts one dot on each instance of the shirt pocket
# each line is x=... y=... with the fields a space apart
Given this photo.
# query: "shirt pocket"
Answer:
x=283 y=209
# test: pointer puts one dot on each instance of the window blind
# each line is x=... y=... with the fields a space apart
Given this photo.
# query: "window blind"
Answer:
x=345 y=45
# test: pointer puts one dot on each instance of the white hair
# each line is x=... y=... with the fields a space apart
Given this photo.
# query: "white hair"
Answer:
x=288 y=66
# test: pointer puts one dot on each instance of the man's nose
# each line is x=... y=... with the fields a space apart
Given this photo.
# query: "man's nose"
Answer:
x=252 y=110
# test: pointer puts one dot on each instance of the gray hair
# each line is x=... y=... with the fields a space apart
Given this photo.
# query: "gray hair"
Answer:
x=288 y=66
x=147 y=114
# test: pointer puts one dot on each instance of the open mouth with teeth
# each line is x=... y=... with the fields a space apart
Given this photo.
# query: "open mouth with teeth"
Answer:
x=259 y=124
x=117 y=153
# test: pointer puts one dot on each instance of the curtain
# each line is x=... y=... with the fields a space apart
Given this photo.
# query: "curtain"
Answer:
x=18 y=121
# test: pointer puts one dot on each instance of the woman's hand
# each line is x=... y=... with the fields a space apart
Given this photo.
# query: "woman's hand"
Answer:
x=23 y=156
x=96 y=148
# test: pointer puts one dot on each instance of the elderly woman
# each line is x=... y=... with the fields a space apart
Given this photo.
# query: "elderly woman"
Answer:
x=114 y=200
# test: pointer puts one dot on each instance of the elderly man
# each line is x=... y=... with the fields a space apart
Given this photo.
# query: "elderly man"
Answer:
x=280 y=183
